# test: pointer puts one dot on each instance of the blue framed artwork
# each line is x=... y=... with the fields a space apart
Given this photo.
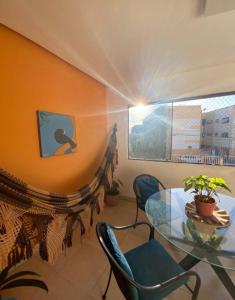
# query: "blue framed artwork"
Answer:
x=57 y=134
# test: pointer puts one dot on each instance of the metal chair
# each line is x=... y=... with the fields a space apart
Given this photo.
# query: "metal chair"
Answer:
x=147 y=272
x=144 y=186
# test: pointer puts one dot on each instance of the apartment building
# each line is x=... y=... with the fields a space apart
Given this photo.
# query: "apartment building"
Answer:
x=186 y=130
x=217 y=131
x=169 y=131
x=152 y=138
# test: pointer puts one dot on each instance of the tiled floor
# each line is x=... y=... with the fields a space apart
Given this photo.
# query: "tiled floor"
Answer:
x=82 y=273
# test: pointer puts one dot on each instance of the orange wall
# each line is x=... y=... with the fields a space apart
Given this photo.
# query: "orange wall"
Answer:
x=31 y=78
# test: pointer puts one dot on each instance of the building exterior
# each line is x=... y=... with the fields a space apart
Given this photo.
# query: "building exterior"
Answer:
x=186 y=130
x=150 y=140
x=217 y=132
x=167 y=133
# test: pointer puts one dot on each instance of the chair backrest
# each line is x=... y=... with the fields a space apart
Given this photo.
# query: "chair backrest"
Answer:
x=144 y=186
x=118 y=262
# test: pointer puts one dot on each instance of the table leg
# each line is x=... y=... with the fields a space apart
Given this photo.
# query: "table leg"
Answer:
x=188 y=262
x=226 y=280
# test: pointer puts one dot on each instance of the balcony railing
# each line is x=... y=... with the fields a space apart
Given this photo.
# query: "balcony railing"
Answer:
x=205 y=159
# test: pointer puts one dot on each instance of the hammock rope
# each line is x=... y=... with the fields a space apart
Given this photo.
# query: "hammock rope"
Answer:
x=31 y=216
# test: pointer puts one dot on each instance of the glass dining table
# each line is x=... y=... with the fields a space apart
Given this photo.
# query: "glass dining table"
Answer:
x=201 y=242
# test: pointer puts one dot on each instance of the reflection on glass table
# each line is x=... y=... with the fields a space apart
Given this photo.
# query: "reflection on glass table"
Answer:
x=201 y=242
x=201 y=235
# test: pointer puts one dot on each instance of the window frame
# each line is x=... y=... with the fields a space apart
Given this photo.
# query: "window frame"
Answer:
x=173 y=100
x=225 y=120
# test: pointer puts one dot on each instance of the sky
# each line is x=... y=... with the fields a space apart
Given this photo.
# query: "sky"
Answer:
x=139 y=112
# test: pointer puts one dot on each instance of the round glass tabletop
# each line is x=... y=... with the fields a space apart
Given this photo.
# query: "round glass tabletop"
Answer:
x=166 y=212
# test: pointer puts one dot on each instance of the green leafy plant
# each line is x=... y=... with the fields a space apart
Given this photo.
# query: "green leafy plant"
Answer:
x=115 y=187
x=205 y=187
x=9 y=281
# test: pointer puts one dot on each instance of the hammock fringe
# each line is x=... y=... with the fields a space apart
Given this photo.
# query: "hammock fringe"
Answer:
x=31 y=216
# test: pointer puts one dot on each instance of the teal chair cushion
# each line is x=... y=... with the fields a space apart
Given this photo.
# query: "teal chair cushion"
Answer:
x=151 y=265
x=121 y=259
x=147 y=186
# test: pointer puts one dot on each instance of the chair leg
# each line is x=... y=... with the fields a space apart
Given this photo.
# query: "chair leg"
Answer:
x=137 y=213
x=151 y=235
x=189 y=288
x=196 y=288
x=110 y=275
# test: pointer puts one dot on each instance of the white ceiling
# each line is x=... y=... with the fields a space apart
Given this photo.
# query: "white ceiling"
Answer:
x=140 y=48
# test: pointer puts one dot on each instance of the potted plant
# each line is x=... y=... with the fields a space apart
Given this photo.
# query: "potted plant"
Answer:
x=113 y=193
x=205 y=188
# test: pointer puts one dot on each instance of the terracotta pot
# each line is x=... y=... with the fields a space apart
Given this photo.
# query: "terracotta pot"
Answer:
x=204 y=209
x=111 y=200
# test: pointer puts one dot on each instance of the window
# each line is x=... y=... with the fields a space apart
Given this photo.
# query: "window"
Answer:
x=152 y=138
x=180 y=131
x=225 y=120
x=224 y=134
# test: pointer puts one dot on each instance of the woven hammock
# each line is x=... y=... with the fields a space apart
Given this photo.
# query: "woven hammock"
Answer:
x=30 y=216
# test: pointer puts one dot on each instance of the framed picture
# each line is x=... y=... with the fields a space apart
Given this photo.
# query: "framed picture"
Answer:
x=57 y=134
